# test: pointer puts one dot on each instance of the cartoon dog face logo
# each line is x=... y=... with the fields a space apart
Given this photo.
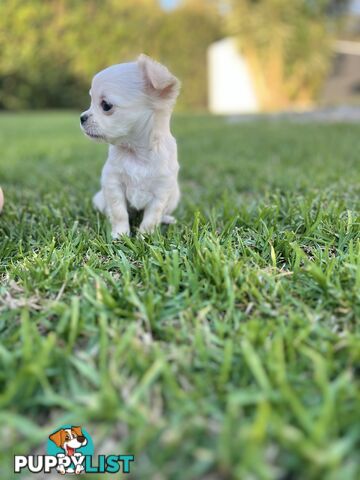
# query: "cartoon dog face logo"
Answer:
x=69 y=439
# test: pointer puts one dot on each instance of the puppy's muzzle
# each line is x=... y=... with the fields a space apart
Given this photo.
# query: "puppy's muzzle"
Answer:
x=83 y=118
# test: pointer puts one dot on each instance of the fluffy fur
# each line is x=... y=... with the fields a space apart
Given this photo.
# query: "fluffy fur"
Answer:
x=131 y=106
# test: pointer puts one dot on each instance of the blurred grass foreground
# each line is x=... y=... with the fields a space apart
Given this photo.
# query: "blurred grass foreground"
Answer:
x=225 y=347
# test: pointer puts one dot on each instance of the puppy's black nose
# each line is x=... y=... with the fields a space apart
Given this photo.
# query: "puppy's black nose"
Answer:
x=83 y=118
x=81 y=439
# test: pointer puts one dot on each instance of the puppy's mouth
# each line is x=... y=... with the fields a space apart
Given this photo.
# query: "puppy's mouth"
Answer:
x=70 y=451
x=94 y=136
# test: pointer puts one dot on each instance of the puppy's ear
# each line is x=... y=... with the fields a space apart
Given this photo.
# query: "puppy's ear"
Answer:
x=58 y=438
x=77 y=430
x=159 y=81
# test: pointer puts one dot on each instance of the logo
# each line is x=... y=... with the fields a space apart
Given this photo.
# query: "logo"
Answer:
x=70 y=450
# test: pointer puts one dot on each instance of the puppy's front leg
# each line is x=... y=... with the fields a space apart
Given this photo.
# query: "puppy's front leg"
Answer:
x=152 y=215
x=116 y=210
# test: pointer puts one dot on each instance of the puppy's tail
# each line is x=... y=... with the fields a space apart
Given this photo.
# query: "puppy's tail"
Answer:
x=99 y=201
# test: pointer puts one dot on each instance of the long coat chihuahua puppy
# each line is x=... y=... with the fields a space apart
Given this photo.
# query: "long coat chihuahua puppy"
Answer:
x=131 y=106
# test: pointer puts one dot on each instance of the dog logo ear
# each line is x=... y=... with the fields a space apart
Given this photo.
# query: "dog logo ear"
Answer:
x=159 y=80
x=78 y=431
x=58 y=438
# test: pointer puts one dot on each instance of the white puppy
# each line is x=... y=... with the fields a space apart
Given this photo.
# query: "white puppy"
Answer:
x=131 y=106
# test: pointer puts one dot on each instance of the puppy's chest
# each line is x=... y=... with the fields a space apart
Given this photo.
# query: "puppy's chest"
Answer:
x=138 y=197
x=137 y=180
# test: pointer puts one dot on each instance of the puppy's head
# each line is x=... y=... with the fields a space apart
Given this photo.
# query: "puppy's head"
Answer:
x=123 y=96
x=69 y=438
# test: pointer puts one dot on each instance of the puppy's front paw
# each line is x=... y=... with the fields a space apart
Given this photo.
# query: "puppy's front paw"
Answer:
x=78 y=469
x=120 y=229
x=168 y=220
x=146 y=227
x=61 y=469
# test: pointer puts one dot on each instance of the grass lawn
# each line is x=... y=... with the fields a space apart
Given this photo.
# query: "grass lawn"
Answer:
x=223 y=347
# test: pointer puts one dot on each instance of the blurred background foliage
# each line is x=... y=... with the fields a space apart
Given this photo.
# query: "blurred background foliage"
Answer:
x=50 y=49
x=288 y=46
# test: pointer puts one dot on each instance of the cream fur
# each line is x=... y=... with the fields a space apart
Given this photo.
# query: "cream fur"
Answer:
x=141 y=169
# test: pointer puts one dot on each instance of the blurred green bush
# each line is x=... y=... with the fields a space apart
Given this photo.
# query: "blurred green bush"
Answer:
x=288 y=46
x=50 y=49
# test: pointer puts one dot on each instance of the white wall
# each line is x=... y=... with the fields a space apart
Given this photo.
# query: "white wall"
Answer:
x=231 y=89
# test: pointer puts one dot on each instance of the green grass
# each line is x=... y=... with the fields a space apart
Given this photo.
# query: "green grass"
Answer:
x=223 y=347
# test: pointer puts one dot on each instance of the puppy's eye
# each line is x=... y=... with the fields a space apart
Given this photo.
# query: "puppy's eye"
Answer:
x=106 y=106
